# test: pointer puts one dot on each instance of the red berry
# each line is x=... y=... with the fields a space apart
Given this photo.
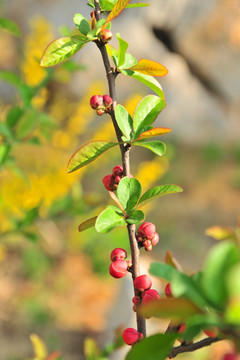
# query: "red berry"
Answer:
x=230 y=356
x=105 y=35
x=147 y=230
x=118 y=254
x=131 y=336
x=107 y=100
x=150 y=295
x=142 y=283
x=108 y=182
x=212 y=332
x=118 y=269
x=155 y=239
x=168 y=291
x=96 y=101
x=117 y=170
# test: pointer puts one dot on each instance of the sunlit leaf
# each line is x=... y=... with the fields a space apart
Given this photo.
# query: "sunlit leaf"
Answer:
x=158 y=191
x=128 y=193
x=135 y=217
x=87 y=224
x=123 y=45
x=40 y=350
x=108 y=220
x=170 y=308
x=153 y=132
x=172 y=261
x=117 y=9
x=137 y=5
x=157 y=147
x=155 y=347
x=10 y=26
x=146 y=112
x=221 y=232
x=148 y=80
x=62 y=49
x=81 y=23
x=88 y=153
x=124 y=121
x=149 y=67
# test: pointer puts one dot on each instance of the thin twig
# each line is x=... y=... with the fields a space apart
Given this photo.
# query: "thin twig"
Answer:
x=192 y=347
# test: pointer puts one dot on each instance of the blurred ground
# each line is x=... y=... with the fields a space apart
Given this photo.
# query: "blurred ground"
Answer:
x=57 y=285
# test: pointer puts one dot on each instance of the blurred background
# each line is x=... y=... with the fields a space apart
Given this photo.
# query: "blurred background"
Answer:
x=54 y=280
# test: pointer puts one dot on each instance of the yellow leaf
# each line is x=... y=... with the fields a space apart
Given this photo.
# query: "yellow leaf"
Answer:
x=221 y=232
x=118 y=8
x=40 y=350
x=153 y=132
x=149 y=67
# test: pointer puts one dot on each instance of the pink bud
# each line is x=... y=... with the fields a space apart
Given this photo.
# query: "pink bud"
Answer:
x=139 y=238
x=212 y=332
x=142 y=283
x=118 y=269
x=136 y=300
x=131 y=336
x=230 y=356
x=107 y=100
x=118 y=254
x=155 y=239
x=117 y=179
x=147 y=230
x=148 y=245
x=150 y=295
x=168 y=291
x=96 y=101
x=100 y=112
x=117 y=170
x=108 y=182
x=105 y=35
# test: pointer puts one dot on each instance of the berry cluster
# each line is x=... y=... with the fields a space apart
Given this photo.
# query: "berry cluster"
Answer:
x=119 y=266
x=111 y=181
x=147 y=236
x=102 y=104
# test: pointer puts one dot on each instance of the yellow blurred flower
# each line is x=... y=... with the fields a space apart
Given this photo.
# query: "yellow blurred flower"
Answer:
x=151 y=171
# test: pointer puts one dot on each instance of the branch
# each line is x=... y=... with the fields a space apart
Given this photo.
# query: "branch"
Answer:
x=192 y=347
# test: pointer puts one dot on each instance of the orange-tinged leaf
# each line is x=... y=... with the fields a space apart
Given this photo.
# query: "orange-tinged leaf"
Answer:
x=154 y=132
x=53 y=356
x=118 y=8
x=170 y=260
x=163 y=308
x=221 y=232
x=87 y=224
x=149 y=67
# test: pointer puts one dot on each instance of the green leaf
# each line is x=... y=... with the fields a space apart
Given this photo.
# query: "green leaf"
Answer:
x=157 y=147
x=124 y=121
x=82 y=24
x=217 y=265
x=14 y=114
x=148 y=80
x=10 y=26
x=181 y=284
x=158 y=191
x=128 y=62
x=137 y=5
x=128 y=193
x=26 y=124
x=155 y=347
x=135 y=217
x=179 y=309
x=123 y=45
x=108 y=220
x=4 y=151
x=62 y=49
x=87 y=224
x=147 y=111
x=88 y=153
x=107 y=5
x=5 y=130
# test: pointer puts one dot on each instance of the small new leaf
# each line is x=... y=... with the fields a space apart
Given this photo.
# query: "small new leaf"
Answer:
x=157 y=147
x=128 y=193
x=82 y=24
x=124 y=121
x=123 y=45
x=62 y=49
x=87 y=224
x=88 y=153
x=108 y=220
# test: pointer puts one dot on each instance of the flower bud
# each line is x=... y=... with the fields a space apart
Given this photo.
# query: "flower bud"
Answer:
x=211 y=332
x=131 y=336
x=147 y=230
x=118 y=254
x=107 y=100
x=168 y=291
x=136 y=300
x=117 y=179
x=96 y=101
x=230 y=356
x=148 y=245
x=155 y=239
x=117 y=170
x=108 y=182
x=139 y=238
x=118 y=269
x=142 y=283
x=100 y=112
x=105 y=35
x=150 y=295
